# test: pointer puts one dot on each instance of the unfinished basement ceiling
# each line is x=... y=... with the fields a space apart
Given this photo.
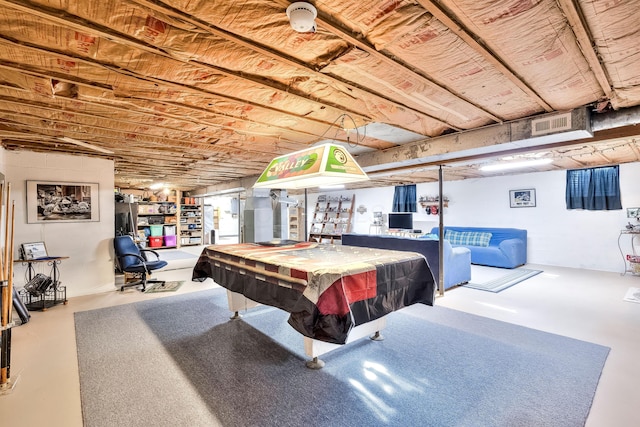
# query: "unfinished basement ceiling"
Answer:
x=205 y=93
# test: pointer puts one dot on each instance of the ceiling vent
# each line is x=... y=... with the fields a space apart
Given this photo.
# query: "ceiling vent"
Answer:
x=547 y=125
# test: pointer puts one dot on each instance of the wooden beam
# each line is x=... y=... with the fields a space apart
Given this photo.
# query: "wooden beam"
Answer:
x=159 y=82
x=576 y=19
x=361 y=44
x=438 y=12
x=252 y=45
x=367 y=142
x=66 y=19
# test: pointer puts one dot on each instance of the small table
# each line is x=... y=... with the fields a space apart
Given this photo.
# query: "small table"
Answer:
x=56 y=294
x=633 y=233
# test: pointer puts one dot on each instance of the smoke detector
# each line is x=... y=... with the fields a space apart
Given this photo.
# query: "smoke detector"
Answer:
x=302 y=17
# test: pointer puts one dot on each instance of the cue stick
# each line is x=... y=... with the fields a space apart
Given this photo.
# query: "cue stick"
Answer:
x=6 y=233
x=10 y=287
x=3 y=301
x=10 y=260
x=4 y=350
x=2 y=263
x=3 y=276
x=2 y=260
x=6 y=297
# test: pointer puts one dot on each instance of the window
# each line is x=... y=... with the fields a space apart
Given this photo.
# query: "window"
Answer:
x=404 y=198
x=594 y=188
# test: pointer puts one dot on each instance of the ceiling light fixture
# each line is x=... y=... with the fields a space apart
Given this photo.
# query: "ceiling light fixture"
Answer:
x=302 y=17
x=515 y=165
x=156 y=186
x=85 y=145
x=323 y=165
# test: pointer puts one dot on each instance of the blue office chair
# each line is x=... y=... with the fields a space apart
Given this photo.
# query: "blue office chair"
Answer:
x=130 y=258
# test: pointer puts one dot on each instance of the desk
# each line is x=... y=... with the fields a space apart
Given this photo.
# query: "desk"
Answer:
x=56 y=294
x=330 y=291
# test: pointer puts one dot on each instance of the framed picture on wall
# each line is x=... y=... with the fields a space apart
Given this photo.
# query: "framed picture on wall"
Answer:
x=633 y=212
x=522 y=198
x=53 y=201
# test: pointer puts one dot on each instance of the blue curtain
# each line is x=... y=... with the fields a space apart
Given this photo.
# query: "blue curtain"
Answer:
x=594 y=189
x=404 y=198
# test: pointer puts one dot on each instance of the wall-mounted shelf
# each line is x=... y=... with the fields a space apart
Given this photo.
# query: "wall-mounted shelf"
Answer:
x=331 y=217
x=425 y=204
x=431 y=207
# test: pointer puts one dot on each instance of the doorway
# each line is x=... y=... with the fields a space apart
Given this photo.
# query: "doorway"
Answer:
x=223 y=218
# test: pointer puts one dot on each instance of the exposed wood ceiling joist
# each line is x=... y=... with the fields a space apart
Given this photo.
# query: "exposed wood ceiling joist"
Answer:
x=445 y=18
x=188 y=90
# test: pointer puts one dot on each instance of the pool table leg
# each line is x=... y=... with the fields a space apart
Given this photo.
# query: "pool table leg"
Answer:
x=239 y=302
x=314 y=348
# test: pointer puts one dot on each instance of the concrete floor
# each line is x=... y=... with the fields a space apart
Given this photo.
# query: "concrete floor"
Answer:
x=582 y=304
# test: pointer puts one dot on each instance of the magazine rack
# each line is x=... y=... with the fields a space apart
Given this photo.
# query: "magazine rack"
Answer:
x=41 y=291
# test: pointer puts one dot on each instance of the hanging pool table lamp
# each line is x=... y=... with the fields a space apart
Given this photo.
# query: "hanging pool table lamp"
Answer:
x=326 y=164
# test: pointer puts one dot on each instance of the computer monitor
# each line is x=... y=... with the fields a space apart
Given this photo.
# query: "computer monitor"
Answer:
x=401 y=221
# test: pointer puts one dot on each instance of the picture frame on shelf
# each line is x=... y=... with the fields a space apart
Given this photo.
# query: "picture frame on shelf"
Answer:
x=56 y=201
x=33 y=250
x=522 y=198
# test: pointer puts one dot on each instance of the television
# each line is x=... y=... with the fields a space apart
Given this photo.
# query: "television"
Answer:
x=401 y=220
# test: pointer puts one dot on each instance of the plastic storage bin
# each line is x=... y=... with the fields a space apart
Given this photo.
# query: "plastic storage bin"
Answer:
x=169 y=230
x=155 y=242
x=156 y=230
x=170 y=240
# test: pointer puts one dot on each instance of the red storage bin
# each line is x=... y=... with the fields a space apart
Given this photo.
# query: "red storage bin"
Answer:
x=170 y=240
x=155 y=242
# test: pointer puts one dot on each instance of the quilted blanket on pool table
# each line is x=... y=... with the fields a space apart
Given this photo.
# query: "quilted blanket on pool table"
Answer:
x=327 y=289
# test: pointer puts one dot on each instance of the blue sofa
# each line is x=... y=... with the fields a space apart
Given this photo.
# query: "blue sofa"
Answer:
x=457 y=261
x=491 y=246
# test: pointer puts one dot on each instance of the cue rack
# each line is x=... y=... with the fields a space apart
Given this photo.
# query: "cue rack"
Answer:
x=6 y=285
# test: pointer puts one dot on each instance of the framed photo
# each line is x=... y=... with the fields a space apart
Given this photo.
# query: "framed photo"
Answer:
x=522 y=198
x=633 y=212
x=52 y=201
x=33 y=250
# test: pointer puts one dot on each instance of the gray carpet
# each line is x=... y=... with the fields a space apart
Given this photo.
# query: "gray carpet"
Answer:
x=172 y=255
x=179 y=360
x=503 y=279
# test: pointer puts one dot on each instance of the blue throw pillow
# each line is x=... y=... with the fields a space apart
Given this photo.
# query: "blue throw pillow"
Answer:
x=468 y=238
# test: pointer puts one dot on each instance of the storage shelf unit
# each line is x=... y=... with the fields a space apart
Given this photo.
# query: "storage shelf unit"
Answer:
x=331 y=218
x=161 y=215
x=296 y=224
x=191 y=223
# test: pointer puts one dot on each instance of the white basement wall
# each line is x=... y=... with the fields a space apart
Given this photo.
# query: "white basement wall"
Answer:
x=556 y=235
x=90 y=267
